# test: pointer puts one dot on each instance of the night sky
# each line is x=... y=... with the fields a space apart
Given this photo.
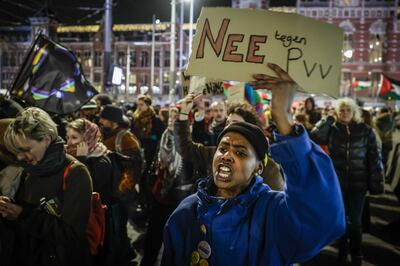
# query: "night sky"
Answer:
x=73 y=12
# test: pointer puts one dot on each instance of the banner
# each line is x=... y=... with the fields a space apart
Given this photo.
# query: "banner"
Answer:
x=233 y=44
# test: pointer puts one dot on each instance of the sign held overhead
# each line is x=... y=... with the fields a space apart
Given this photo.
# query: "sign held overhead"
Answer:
x=233 y=44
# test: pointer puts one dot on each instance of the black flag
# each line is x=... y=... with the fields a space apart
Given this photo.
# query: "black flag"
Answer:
x=51 y=78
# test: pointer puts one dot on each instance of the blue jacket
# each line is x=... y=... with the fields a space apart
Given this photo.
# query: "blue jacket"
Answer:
x=261 y=226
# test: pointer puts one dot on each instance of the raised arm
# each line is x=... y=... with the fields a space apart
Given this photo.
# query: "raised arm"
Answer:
x=310 y=214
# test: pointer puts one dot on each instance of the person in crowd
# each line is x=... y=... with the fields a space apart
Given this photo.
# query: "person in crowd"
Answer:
x=84 y=143
x=102 y=100
x=302 y=119
x=384 y=123
x=367 y=119
x=45 y=225
x=353 y=148
x=201 y=122
x=163 y=114
x=90 y=111
x=172 y=174
x=201 y=155
x=218 y=121
x=9 y=107
x=147 y=127
x=114 y=126
x=118 y=138
x=312 y=113
x=234 y=219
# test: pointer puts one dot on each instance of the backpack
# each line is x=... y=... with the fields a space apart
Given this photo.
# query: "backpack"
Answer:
x=96 y=227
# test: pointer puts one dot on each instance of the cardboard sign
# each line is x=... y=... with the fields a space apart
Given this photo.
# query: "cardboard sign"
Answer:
x=185 y=82
x=205 y=86
x=236 y=93
x=233 y=44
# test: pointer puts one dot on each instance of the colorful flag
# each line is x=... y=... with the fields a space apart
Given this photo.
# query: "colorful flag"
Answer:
x=395 y=85
x=51 y=78
x=394 y=94
x=360 y=85
x=385 y=86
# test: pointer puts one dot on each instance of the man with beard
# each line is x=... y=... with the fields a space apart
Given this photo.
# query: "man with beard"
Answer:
x=119 y=139
x=111 y=120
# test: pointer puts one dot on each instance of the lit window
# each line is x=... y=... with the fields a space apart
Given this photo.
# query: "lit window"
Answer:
x=376 y=48
x=377 y=33
x=145 y=59
x=347 y=52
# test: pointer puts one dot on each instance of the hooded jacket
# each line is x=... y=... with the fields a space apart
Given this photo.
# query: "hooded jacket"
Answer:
x=261 y=226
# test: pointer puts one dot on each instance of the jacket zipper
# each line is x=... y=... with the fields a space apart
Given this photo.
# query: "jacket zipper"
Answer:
x=348 y=151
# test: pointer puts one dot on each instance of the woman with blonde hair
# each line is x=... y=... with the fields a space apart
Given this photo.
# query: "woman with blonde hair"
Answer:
x=353 y=148
x=46 y=224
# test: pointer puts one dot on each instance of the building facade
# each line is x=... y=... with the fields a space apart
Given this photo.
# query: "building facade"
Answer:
x=370 y=48
x=371 y=42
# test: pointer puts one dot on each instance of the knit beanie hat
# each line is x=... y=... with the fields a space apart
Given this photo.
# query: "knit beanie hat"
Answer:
x=252 y=133
x=112 y=113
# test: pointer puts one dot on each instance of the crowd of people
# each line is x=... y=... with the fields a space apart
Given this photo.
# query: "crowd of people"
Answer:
x=216 y=183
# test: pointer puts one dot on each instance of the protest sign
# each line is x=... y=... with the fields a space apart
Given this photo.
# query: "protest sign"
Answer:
x=233 y=44
x=205 y=86
x=185 y=82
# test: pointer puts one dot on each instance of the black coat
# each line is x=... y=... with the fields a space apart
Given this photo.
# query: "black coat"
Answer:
x=101 y=171
x=354 y=152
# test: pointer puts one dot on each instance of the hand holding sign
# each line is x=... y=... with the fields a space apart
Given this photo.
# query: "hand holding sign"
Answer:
x=283 y=88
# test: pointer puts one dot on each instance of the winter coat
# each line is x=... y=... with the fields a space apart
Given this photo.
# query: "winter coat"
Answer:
x=202 y=156
x=261 y=226
x=101 y=171
x=200 y=131
x=40 y=238
x=354 y=152
x=129 y=143
x=149 y=143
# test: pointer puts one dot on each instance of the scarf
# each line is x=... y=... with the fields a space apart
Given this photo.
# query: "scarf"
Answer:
x=169 y=159
x=142 y=122
x=52 y=162
x=91 y=136
x=99 y=150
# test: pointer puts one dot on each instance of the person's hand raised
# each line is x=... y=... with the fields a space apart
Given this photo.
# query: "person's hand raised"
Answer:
x=82 y=149
x=283 y=89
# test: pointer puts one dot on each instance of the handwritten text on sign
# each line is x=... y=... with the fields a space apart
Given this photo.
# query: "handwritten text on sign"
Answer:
x=233 y=44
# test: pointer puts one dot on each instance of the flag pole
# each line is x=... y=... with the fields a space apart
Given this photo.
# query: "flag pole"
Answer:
x=8 y=93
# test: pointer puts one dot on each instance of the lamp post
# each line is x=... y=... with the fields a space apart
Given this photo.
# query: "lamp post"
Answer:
x=107 y=41
x=153 y=44
x=181 y=22
x=190 y=28
x=172 y=52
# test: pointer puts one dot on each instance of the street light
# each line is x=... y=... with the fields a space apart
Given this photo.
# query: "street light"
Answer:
x=153 y=44
x=172 y=52
x=190 y=26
